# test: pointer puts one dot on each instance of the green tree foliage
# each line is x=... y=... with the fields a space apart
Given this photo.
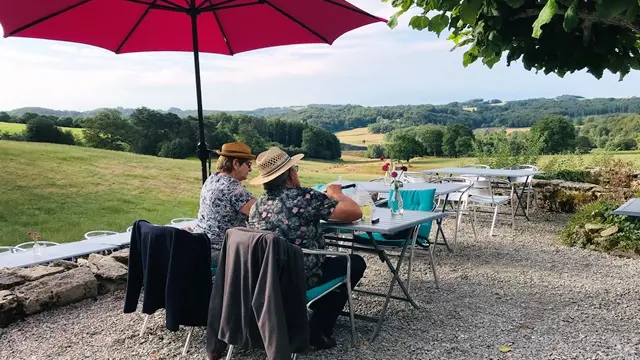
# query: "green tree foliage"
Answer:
x=404 y=147
x=250 y=136
x=151 y=128
x=557 y=133
x=500 y=150
x=457 y=140
x=583 y=144
x=375 y=151
x=178 y=149
x=108 y=130
x=559 y=36
x=44 y=130
x=323 y=144
x=608 y=132
x=430 y=137
x=4 y=117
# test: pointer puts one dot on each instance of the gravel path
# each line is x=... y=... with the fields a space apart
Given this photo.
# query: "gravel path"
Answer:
x=522 y=290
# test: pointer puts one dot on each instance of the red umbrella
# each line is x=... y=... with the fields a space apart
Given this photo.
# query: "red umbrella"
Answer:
x=214 y=26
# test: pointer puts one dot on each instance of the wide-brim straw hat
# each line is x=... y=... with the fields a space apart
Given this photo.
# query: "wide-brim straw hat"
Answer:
x=273 y=163
x=237 y=150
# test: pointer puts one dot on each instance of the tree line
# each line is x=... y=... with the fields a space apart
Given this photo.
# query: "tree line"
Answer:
x=551 y=135
x=476 y=113
x=152 y=132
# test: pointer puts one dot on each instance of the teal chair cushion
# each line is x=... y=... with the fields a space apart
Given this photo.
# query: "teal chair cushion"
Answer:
x=313 y=293
x=213 y=271
x=418 y=200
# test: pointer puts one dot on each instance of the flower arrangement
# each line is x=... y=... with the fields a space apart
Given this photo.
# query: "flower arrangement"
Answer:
x=391 y=172
x=36 y=237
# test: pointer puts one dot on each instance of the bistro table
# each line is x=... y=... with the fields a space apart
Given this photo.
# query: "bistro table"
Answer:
x=52 y=253
x=514 y=175
x=388 y=224
x=630 y=208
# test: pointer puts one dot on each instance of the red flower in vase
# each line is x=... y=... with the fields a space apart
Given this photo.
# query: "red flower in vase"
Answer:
x=404 y=168
x=394 y=174
x=382 y=158
x=385 y=167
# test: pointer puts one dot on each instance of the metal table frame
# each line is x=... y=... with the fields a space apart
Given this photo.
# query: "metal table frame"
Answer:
x=494 y=173
x=388 y=224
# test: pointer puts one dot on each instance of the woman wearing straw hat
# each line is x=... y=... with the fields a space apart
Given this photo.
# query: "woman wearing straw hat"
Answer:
x=294 y=213
x=224 y=201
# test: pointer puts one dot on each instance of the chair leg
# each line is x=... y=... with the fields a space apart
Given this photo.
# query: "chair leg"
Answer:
x=433 y=268
x=144 y=325
x=493 y=223
x=513 y=217
x=186 y=344
x=294 y=356
x=473 y=227
x=229 y=352
x=350 y=300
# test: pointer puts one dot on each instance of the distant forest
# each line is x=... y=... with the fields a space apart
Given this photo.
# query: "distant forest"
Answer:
x=475 y=113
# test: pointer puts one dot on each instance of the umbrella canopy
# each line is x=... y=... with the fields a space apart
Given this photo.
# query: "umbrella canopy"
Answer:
x=213 y=26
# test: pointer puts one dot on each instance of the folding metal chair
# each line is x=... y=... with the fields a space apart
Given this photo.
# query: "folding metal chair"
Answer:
x=318 y=292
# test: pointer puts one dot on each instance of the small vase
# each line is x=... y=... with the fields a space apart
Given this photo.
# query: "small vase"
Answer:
x=395 y=201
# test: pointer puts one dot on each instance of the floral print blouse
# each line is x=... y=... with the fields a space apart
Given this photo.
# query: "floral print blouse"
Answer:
x=221 y=198
x=294 y=214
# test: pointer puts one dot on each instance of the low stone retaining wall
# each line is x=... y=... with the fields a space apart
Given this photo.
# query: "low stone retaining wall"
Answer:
x=26 y=291
x=567 y=196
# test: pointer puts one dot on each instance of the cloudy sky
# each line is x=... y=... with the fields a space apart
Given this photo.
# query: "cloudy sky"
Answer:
x=373 y=65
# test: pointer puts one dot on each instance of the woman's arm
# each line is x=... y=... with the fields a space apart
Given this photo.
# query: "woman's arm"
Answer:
x=246 y=208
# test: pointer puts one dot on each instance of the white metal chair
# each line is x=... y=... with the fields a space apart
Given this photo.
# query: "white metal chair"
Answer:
x=319 y=291
x=10 y=250
x=459 y=201
x=482 y=195
x=181 y=220
x=98 y=233
x=30 y=244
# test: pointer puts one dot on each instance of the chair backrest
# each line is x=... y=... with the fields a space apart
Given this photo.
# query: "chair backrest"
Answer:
x=418 y=200
x=476 y=166
x=527 y=180
x=9 y=250
x=30 y=244
x=460 y=195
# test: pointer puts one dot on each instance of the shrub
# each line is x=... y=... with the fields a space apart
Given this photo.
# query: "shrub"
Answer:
x=612 y=171
x=564 y=167
x=595 y=227
x=375 y=151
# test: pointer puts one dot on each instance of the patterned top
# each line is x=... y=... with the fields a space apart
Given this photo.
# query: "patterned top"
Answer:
x=220 y=201
x=294 y=214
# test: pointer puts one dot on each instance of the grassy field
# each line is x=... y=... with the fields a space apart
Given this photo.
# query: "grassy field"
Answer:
x=16 y=128
x=64 y=191
x=359 y=136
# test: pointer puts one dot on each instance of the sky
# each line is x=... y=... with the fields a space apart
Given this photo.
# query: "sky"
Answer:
x=370 y=66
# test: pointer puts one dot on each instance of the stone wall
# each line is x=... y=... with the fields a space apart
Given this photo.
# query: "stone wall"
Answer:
x=567 y=196
x=26 y=291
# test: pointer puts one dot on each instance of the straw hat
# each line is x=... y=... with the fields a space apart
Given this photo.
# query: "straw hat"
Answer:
x=237 y=150
x=272 y=163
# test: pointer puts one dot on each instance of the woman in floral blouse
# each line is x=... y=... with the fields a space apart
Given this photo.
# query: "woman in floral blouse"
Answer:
x=294 y=213
x=224 y=201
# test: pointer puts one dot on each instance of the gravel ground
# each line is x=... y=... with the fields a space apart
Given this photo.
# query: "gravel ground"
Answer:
x=518 y=289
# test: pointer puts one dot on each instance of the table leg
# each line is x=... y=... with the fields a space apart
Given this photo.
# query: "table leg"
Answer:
x=395 y=278
x=519 y=197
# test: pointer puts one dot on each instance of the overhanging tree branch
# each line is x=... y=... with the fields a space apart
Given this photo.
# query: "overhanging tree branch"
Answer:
x=585 y=16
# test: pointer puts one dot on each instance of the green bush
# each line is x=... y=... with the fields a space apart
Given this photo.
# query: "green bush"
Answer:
x=375 y=151
x=564 y=167
x=595 y=227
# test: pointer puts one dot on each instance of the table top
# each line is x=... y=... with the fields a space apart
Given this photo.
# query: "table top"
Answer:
x=441 y=189
x=53 y=253
x=483 y=172
x=389 y=223
x=630 y=208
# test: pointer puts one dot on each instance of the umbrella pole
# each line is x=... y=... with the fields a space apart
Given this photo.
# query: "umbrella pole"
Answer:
x=203 y=151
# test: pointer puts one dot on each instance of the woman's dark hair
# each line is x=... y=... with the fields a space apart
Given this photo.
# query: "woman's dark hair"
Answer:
x=277 y=183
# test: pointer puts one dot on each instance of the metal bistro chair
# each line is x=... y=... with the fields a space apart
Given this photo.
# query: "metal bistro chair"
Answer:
x=97 y=233
x=482 y=196
x=181 y=220
x=458 y=202
x=314 y=294
x=30 y=244
x=4 y=250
